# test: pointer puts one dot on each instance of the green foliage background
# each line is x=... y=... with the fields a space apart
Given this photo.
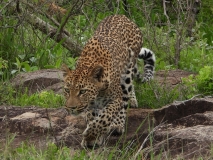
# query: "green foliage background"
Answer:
x=24 y=48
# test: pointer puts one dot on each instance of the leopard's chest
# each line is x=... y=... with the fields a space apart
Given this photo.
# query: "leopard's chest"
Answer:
x=98 y=105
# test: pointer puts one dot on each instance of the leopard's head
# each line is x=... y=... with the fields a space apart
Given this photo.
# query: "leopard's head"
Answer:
x=81 y=87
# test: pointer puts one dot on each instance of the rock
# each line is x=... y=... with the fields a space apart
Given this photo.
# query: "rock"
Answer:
x=184 y=142
x=178 y=110
x=49 y=79
x=171 y=77
x=182 y=130
x=27 y=115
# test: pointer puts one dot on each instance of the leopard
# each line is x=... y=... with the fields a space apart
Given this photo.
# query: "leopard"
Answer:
x=101 y=85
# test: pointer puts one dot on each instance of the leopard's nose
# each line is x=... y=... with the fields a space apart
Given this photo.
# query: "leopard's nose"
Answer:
x=69 y=109
x=73 y=110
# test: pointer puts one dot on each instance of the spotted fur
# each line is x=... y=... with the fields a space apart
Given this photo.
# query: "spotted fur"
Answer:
x=101 y=85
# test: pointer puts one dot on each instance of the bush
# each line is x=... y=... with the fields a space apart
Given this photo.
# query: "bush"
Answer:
x=205 y=80
x=202 y=83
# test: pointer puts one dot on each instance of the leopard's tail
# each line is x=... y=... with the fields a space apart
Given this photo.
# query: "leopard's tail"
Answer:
x=149 y=64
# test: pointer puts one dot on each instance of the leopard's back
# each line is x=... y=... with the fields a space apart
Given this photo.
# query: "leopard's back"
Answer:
x=119 y=29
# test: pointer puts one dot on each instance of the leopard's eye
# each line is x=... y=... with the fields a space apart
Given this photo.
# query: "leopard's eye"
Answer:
x=67 y=90
x=82 y=91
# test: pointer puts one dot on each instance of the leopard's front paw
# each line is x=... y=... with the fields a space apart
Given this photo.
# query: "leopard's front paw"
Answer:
x=92 y=143
x=133 y=102
x=117 y=130
x=91 y=138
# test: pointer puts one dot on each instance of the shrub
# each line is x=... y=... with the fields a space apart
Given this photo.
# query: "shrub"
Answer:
x=202 y=83
x=205 y=80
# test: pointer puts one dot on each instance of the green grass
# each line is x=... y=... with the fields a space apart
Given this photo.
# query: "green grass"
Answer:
x=28 y=151
x=155 y=95
x=46 y=99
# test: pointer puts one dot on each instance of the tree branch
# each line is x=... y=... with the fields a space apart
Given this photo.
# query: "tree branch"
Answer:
x=165 y=13
x=75 y=7
x=57 y=33
x=55 y=22
x=52 y=32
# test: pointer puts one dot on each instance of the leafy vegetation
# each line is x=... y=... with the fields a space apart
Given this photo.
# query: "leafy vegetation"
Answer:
x=46 y=99
x=25 y=49
x=202 y=83
x=150 y=93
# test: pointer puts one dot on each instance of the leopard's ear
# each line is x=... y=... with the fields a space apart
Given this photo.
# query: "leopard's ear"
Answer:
x=65 y=69
x=96 y=73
